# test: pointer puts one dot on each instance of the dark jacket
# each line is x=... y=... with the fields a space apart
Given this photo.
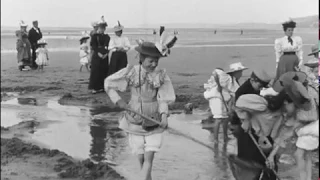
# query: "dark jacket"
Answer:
x=34 y=36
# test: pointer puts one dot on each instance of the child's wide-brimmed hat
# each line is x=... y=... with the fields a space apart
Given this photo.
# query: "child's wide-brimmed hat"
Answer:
x=234 y=67
x=42 y=42
x=314 y=49
x=94 y=24
x=312 y=63
x=84 y=36
x=118 y=27
x=23 y=24
x=102 y=22
x=292 y=83
x=148 y=49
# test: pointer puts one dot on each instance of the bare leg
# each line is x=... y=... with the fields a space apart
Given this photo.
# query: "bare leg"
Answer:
x=216 y=129
x=147 y=165
x=225 y=129
x=81 y=68
x=301 y=163
x=308 y=165
x=87 y=66
x=141 y=160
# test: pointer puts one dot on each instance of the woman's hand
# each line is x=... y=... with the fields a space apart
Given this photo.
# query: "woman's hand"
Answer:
x=270 y=162
x=100 y=55
x=122 y=104
x=164 y=121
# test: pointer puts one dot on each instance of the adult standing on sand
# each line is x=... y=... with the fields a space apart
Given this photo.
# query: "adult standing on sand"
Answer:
x=34 y=36
x=99 y=62
x=23 y=47
x=119 y=46
x=95 y=27
x=289 y=54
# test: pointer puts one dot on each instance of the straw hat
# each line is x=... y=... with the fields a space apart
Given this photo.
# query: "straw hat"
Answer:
x=102 y=22
x=149 y=49
x=118 y=27
x=314 y=50
x=41 y=42
x=312 y=63
x=236 y=67
x=292 y=83
x=84 y=36
x=22 y=24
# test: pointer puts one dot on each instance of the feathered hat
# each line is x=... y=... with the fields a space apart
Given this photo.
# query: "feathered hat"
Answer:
x=166 y=41
x=158 y=49
x=102 y=22
x=118 y=27
x=22 y=24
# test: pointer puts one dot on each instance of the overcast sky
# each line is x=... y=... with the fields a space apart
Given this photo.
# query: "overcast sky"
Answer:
x=80 y=13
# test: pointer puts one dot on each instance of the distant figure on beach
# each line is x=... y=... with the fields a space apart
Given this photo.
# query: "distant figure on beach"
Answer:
x=154 y=32
x=84 y=52
x=42 y=55
x=23 y=47
x=220 y=91
x=34 y=36
x=215 y=31
x=119 y=46
x=288 y=49
x=241 y=33
x=99 y=62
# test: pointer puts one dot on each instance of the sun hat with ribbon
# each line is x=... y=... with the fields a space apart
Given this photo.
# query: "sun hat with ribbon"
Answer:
x=234 y=67
x=118 y=27
x=312 y=63
x=314 y=49
x=41 y=42
x=22 y=24
x=292 y=83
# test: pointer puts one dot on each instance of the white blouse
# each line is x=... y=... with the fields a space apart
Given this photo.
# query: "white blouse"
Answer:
x=119 y=42
x=283 y=45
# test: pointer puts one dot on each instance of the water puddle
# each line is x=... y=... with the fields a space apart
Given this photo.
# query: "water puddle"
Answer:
x=93 y=133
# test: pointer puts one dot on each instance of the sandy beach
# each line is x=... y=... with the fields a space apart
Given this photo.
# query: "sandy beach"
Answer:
x=60 y=95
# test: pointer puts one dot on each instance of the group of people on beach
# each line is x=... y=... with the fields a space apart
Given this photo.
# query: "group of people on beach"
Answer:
x=97 y=59
x=266 y=114
x=31 y=47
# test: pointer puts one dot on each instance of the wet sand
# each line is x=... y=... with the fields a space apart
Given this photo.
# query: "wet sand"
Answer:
x=188 y=67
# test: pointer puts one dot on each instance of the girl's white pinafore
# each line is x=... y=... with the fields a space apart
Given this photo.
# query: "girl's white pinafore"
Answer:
x=150 y=96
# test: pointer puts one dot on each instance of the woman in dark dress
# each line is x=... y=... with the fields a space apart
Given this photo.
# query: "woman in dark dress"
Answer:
x=99 y=62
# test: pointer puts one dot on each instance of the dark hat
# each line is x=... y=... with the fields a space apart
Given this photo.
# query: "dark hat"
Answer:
x=102 y=22
x=292 y=83
x=289 y=24
x=261 y=76
x=149 y=49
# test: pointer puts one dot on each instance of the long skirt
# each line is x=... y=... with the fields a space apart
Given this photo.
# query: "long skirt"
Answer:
x=99 y=71
x=118 y=61
x=287 y=63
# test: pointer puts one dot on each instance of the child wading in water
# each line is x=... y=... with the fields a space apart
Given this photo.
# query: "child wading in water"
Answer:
x=151 y=92
x=42 y=55
x=84 y=52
